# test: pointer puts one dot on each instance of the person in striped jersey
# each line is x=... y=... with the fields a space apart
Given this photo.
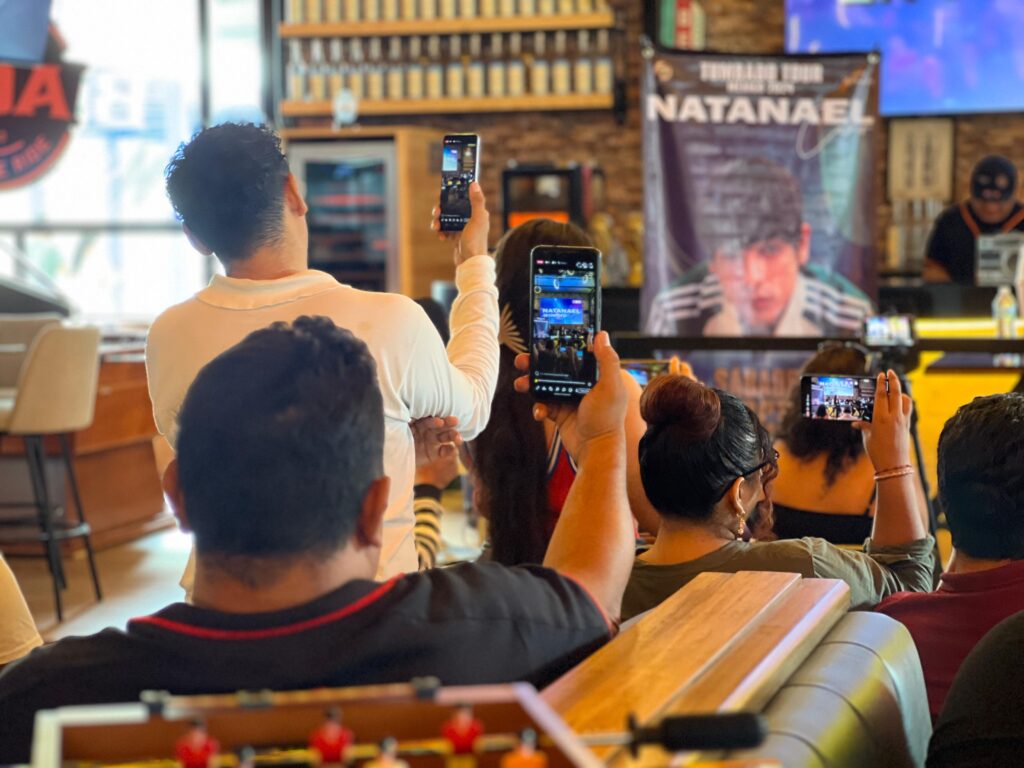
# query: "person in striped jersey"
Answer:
x=758 y=279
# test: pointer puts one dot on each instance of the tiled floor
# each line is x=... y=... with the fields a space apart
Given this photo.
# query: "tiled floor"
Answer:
x=142 y=576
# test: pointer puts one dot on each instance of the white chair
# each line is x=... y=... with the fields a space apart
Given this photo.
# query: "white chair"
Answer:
x=56 y=395
x=16 y=335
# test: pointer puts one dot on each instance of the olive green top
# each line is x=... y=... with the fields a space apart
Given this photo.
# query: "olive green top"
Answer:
x=873 y=574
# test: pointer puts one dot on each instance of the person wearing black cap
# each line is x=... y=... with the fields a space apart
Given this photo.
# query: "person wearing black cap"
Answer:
x=991 y=209
x=758 y=279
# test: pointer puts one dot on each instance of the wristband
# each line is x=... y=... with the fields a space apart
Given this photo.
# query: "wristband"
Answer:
x=901 y=471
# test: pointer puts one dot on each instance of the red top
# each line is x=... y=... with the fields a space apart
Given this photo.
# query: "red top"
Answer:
x=331 y=740
x=195 y=750
x=948 y=623
x=561 y=474
x=462 y=739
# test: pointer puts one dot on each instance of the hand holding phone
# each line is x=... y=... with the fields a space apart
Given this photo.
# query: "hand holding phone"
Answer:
x=565 y=316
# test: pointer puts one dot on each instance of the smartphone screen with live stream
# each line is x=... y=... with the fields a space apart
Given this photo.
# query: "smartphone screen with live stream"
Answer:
x=460 y=167
x=565 y=303
x=838 y=398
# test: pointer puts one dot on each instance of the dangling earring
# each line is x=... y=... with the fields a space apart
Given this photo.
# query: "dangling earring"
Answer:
x=740 y=531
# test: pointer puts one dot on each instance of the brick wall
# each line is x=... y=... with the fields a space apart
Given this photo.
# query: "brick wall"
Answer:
x=742 y=26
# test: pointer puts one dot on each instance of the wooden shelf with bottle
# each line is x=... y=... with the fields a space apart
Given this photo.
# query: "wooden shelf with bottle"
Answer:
x=549 y=103
x=457 y=26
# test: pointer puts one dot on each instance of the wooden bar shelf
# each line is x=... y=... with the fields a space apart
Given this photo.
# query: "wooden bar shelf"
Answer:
x=458 y=26
x=577 y=101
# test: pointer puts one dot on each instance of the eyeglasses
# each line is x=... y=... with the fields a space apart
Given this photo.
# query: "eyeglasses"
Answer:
x=763 y=465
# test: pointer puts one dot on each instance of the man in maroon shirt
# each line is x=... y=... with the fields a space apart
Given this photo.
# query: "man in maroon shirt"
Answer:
x=981 y=488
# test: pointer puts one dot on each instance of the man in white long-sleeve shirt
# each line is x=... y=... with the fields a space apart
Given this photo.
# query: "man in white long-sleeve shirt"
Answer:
x=233 y=191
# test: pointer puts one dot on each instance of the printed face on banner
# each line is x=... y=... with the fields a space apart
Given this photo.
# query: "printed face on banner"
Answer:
x=766 y=166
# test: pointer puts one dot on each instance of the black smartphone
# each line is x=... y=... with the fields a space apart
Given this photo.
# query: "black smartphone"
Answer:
x=838 y=398
x=643 y=371
x=883 y=331
x=460 y=167
x=565 y=315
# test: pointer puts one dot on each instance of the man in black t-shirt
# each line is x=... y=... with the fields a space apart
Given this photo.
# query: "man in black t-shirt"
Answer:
x=279 y=474
x=991 y=209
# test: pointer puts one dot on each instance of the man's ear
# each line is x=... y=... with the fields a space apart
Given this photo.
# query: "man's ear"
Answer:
x=804 y=254
x=195 y=242
x=370 y=525
x=293 y=198
x=172 y=490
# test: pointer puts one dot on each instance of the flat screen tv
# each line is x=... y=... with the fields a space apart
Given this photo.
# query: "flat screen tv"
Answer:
x=939 y=57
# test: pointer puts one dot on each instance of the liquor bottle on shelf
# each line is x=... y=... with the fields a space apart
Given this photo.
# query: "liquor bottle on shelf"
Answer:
x=371 y=10
x=561 y=79
x=546 y=7
x=566 y=6
x=488 y=8
x=409 y=10
x=317 y=71
x=516 y=68
x=584 y=6
x=467 y=9
x=353 y=10
x=507 y=7
x=337 y=71
x=428 y=9
x=455 y=72
x=357 y=71
x=496 y=85
x=435 y=70
x=297 y=71
x=414 y=69
x=540 y=71
x=314 y=11
x=389 y=10
x=602 y=6
x=604 y=72
x=293 y=11
x=447 y=9
x=375 y=71
x=583 y=66
x=332 y=11
x=396 y=71
x=475 y=68
x=527 y=7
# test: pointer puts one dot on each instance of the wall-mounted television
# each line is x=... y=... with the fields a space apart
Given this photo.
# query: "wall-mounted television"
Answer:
x=939 y=57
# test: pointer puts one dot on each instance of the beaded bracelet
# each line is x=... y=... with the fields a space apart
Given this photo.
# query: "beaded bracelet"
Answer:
x=901 y=471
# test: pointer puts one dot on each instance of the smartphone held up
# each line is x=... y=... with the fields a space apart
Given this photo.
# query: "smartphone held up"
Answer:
x=460 y=167
x=838 y=398
x=565 y=316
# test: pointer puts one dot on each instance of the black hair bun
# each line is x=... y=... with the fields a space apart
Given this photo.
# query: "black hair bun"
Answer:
x=691 y=409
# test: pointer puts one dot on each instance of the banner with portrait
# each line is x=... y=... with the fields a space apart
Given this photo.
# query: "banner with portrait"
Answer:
x=759 y=194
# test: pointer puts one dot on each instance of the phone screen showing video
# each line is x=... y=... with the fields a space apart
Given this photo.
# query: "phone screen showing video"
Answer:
x=889 y=331
x=565 y=317
x=459 y=168
x=838 y=398
x=643 y=371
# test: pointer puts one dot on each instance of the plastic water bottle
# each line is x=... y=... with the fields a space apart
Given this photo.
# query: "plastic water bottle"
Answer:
x=1004 y=312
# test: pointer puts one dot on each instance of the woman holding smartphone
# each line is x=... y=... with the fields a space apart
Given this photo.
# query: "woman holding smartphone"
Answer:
x=523 y=468
x=707 y=465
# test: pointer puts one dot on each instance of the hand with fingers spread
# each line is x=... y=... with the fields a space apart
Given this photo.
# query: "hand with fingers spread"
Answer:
x=677 y=367
x=887 y=435
x=435 y=439
x=472 y=240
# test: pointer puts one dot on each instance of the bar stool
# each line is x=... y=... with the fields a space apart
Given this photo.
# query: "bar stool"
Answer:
x=17 y=333
x=56 y=395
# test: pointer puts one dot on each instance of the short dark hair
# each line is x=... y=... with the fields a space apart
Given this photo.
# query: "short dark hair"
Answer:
x=981 y=482
x=280 y=437
x=227 y=186
x=698 y=441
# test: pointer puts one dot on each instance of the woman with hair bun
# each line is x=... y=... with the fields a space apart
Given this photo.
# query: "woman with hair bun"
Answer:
x=707 y=466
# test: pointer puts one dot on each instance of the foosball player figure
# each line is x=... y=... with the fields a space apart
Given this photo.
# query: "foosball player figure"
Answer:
x=332 y=739
x=525 y=755
x=196 y=749
x=461 y=732
x=388 y=756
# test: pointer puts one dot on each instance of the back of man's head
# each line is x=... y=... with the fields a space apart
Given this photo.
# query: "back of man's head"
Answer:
x=981 y=482
x=280 y=438
x=227 y=186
